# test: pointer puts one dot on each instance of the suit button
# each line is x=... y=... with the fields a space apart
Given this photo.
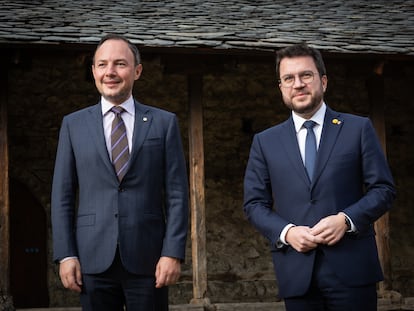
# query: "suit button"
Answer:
x=116 y=215
x=120 y=189
x=312 y=201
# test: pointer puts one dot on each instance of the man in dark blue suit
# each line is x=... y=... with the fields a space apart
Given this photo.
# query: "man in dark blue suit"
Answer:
x=315 y=193
x=120 y=192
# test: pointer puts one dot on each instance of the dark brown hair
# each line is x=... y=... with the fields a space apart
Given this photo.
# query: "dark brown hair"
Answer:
x=301 y=49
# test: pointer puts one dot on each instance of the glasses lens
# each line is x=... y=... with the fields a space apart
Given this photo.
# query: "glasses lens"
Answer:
x=305 y=77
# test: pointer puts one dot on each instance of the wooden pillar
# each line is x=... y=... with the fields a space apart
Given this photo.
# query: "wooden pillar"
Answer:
x=375 y=86
x=197 y=196
x=5 y=295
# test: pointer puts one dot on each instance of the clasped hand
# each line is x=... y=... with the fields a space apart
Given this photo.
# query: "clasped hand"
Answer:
x=328 y=231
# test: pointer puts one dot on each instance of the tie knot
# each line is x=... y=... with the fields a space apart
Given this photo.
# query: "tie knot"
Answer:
x=309 y=124
x=117 y=110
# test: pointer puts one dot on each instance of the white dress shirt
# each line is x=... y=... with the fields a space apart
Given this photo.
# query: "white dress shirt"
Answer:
x=128 y=116
x=301 y=131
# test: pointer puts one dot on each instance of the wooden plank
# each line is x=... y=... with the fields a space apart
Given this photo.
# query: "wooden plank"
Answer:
x=197 y=196
x=5 y=298
x=375 y=86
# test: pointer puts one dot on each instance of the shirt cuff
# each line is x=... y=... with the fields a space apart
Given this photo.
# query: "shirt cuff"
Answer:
x=353 y=228
x=282 y=238
x=67 y=258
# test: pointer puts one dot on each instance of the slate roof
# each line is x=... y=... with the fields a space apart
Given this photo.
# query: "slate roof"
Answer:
x=343 y=26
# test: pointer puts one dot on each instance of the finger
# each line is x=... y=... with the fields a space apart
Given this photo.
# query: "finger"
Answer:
x=64 y=282
x=67 y=280
x=160 y=280
x=319 y=228
x=158 y=277
x=70 y=279
x=319 y=239
x=75 y=287
x=316 y=230
x=78 y=277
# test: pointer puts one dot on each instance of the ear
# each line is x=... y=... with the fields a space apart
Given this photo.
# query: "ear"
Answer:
x=93 y=70
x=324 y=80
x=279 y=85
x=138 y=71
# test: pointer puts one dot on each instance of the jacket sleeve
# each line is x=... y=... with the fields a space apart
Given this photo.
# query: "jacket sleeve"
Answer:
x=378 y=182
x=176 y=194
x=63 y=198
x=258 y=200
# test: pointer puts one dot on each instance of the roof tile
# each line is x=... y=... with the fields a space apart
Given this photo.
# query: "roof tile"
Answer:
x=375 y=26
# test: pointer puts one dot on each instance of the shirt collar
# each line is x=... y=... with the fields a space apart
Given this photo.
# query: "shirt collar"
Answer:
x=128 y=106
x=317 y=117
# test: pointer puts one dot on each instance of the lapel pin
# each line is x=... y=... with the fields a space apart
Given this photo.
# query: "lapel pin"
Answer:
x=336 y=121
x=145 y=119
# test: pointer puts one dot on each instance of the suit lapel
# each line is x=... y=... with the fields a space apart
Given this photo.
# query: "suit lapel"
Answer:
x=290 y=142
x=95 y=124
x=331 y=128
x=143 y=120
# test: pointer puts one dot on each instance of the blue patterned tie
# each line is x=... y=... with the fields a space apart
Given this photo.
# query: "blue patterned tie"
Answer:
x=310 y=148
x=119 y=143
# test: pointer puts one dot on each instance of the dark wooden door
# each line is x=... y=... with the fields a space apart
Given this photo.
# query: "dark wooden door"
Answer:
x=28 y=249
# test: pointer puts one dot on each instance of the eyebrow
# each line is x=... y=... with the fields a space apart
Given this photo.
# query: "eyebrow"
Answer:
x=299 y=73
x=116 y=60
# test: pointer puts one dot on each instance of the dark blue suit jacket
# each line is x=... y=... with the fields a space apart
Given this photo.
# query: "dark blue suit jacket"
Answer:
x=146 y=214
x=351 y=175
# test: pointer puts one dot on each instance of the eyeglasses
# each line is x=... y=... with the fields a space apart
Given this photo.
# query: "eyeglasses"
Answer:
x=304 y=76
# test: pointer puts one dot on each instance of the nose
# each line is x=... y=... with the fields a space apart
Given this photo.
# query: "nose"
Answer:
x=110 y=70
x=298 y=83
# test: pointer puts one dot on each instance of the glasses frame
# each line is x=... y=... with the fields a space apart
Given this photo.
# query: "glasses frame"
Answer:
x=302 y=78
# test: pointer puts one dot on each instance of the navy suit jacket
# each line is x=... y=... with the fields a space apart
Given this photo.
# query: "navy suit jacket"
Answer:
x=92 y=212
x=351 y=175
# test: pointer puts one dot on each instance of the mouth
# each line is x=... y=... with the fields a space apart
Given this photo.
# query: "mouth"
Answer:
x=111 y=83
x=300 y=94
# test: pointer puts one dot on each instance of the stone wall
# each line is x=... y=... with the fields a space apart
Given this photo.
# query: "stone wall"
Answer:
x=238 y=102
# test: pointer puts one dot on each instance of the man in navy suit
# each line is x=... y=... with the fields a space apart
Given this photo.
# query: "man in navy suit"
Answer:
x=318 y=214
x=119 y=237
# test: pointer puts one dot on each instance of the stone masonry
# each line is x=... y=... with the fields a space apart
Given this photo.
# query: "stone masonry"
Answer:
x=239 y=101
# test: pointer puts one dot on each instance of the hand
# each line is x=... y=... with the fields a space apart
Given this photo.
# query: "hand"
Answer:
x=167 y=272
x=330 y=229
x=302 y=239
x=70 y=274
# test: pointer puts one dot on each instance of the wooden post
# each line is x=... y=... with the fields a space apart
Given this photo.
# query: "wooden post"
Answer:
x=375 y=86
x=5 y=296
x=197 y=196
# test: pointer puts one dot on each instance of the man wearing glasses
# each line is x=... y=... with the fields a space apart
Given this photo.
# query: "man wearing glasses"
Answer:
x=314 y=186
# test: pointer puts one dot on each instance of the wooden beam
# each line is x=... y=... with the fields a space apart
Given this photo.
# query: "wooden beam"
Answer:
x=197 y=196
x=5 y=296
x=375 y=86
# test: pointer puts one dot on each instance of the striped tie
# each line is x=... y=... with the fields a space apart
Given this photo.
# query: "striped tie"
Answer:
x=310 y=148
x=119 y=143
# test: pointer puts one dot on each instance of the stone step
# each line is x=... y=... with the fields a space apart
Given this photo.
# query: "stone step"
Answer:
x=262 y=306
x=384 y=304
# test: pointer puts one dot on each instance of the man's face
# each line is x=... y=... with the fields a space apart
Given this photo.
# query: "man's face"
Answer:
x=303 y=97
x=114 y=71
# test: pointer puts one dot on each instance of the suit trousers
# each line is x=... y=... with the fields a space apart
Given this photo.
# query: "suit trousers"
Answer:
x=328 y=293
x=116 y=290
